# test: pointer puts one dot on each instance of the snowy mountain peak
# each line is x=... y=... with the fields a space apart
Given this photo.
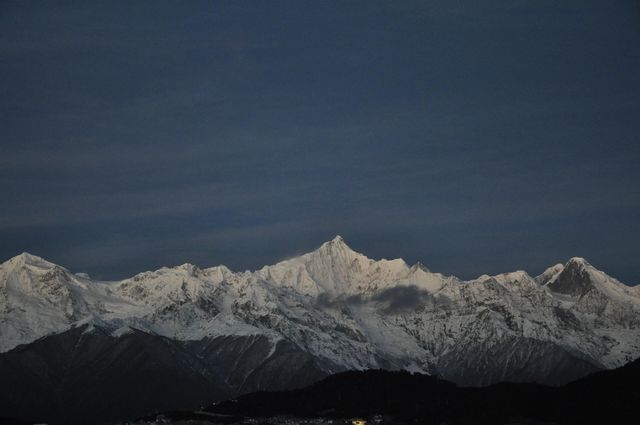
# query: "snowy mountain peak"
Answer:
x=518 y=275
x=26 y=259
x=190 y=269
x=549 y=274
x=578 y=262
x=419 y=266
x=336 y=255
x=336 y=245
x=576 y=278
x=334 y=268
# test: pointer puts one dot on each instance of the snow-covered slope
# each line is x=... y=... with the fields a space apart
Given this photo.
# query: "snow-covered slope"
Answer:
x=349 y=311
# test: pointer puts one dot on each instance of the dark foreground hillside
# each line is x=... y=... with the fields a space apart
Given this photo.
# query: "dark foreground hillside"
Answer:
x=610 y=397
x=384 y=397
x=86 y=376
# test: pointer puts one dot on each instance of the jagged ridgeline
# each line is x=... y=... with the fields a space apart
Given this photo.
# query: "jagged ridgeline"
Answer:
x=214 y=333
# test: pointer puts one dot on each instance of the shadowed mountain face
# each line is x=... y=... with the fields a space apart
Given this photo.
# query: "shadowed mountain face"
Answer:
x=85 y=375
x=528 y=361
x=573 y=280
x=215 y=333
x=78 y=375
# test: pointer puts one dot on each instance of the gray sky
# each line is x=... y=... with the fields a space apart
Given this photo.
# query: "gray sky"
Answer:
x=476 y=137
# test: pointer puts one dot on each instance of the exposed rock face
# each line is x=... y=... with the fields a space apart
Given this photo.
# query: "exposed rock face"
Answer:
x=573 y=280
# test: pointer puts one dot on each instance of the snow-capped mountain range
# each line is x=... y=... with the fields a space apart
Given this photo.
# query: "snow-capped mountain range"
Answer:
x=346 y=311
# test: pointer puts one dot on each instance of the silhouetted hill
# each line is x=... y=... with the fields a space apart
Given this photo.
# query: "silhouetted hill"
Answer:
x=81 y=377
x=603 y=398
x=611 y=396
x=87 y=375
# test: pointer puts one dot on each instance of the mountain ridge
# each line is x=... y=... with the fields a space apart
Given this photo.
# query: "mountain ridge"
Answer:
x=348 y=311
x=337 y=244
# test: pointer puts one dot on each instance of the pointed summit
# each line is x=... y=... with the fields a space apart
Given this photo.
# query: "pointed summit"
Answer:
x=336 y=253
x=574 y=279
x=549 y=274
x=337 y=245
x=577 y=262
x=26 y=259
x=337 y=240
x=419 y=266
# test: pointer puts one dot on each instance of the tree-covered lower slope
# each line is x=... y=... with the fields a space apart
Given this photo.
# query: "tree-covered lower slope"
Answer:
x=608 y=397
x=88 y=376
